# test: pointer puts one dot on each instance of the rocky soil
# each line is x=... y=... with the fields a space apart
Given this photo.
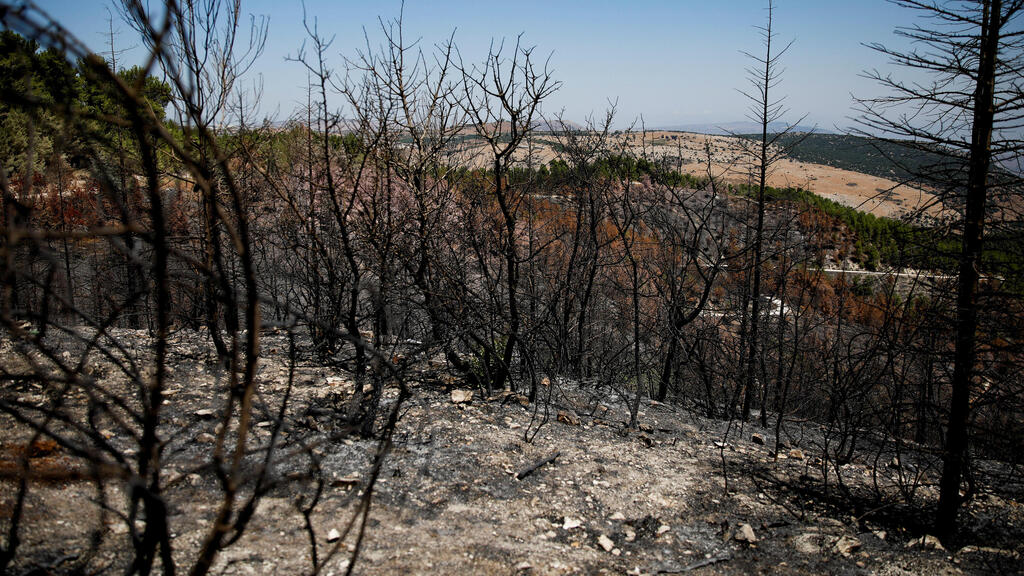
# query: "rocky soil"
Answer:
x=460 y=491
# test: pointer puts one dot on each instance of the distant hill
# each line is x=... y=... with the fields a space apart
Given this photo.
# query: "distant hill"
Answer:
x=742 y=127
x=860 y=154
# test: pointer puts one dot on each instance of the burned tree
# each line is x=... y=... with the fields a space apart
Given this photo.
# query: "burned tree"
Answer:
x=502 y=97
x=970 y=113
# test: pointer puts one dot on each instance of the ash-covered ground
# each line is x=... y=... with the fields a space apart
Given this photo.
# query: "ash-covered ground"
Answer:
x=460 y=492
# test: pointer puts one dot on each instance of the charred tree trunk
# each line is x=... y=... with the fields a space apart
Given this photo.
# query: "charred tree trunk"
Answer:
x=955 y=453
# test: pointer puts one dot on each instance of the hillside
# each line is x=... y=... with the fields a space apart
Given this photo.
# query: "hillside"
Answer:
x=859 y=154
x=834 y=167
x=421 y=330
x=457 y=493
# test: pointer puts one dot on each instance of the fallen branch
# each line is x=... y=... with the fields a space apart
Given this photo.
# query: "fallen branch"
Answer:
x=529 y=469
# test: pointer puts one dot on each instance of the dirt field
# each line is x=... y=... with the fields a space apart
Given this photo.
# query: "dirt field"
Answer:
x=878 y=196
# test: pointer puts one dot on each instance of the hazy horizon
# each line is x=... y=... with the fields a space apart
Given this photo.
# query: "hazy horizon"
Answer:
x=676 y=64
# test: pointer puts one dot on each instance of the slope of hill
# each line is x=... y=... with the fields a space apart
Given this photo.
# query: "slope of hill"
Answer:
x=835 y=167
x=470 y=487
x=857 y=154
x=740 y=127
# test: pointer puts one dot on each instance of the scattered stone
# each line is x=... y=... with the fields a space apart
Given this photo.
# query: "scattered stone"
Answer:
x=336 y=381
x=663 y=528
x=523 y=566
x=462 y=396
x=570 y=523
x=568 y=417
x=807 y=543
x=991 y=551
x=645 y=427
x=346 y=481
x=606 y=543
x=500 y=396
x=205 y=413
x=880 y=534
x=206 y=438
x=926 y=542
x=333 y=535
x=618 y=517
x=630 y=535
x=796 y=454
x=746 y=534
x=757 y=439
x=847 y=545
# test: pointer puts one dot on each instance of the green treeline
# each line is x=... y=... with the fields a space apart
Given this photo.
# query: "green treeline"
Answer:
x=865 y=155
x=878 y=242
x=51 y=107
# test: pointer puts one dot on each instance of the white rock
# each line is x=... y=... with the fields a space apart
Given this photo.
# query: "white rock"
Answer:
x=1002 y=552
x=571 y=523
x=746 y=534
x=847 y=545
x=333 y=535
x=807 y=543
x=606 y=543
x=462 y=396
x=568 y=417
x=928 y=542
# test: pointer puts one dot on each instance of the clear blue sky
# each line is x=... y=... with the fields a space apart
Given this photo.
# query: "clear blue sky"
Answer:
x=674 y=61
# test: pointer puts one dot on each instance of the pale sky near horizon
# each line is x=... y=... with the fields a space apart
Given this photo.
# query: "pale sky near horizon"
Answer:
x=676 y=62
